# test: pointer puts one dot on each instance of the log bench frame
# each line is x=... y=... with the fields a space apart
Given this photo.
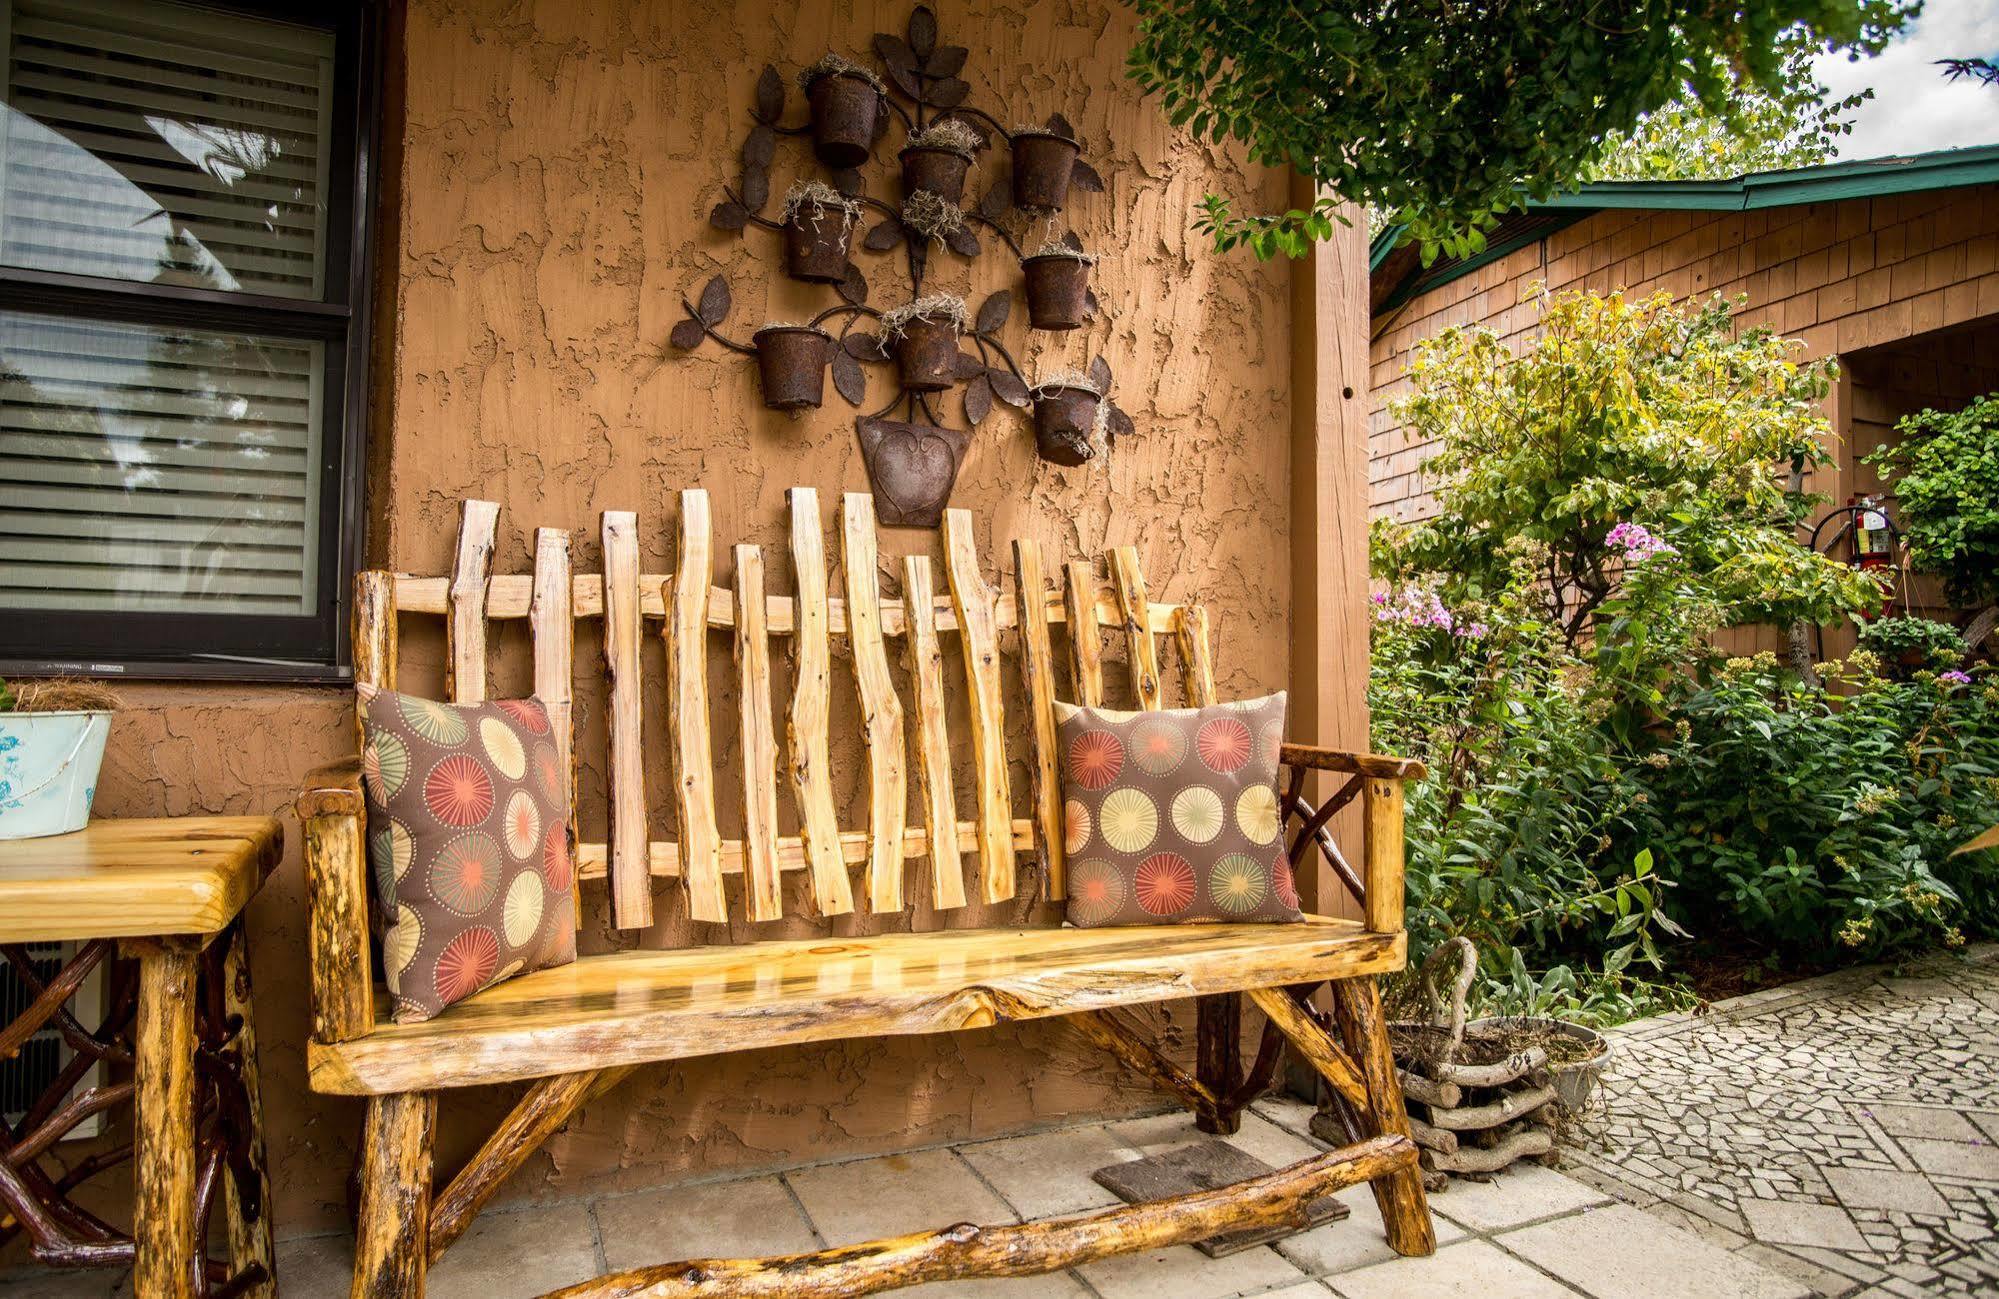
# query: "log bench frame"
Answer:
x=578 y=1030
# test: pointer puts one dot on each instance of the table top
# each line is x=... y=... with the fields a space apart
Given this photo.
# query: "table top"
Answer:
x=120 y=878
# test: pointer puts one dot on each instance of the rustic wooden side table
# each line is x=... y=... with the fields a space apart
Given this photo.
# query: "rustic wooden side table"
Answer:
x=170 y=894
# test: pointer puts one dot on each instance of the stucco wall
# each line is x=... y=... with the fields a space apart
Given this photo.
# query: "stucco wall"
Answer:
x=1841 y=277
x=555 y=160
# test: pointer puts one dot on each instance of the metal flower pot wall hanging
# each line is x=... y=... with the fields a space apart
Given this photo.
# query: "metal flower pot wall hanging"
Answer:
x=934 y=341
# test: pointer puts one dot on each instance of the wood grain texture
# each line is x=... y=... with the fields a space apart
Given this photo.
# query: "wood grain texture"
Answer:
x=1218 y=1060
x=1312 y=1042
x=554 y=634
x=130 y=878
x=979 y=639
x=632 y=1007
x=337 y=940
x=964 y=1252
x=630 y=873
x=373 y=628
x=1086 y=637
x=247 y=1223
x=809 y=722
x=853 y=845
x=1110 y=1035
x=881 y=711
x=933 y=741
x=1037 y=669
x=1405 y=1210
x=1367 y=764
x=539 y=1115
x=764 y=881
x=392 y=1224
x=1197 y=666
x=465 y=629
x=1135 y=610
x=1382 y=800
x=686 y=634
x=163 y=1042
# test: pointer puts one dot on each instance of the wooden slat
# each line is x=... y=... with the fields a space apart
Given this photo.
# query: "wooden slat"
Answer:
x=554 y=634
x=1382 y=810
x=881 y=711
x=1086 y=638
x=465 y=633
x=808 y=725
x=1037 y=665
x=686 y=634
x=1197 y=669
x=665 y=854
x=374 y=635
x=764 y=885
x=1128 y=579
x=974 y=601
x=631 y=878
x=939 y=800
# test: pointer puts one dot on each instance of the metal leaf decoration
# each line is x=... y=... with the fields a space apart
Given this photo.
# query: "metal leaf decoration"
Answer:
x=863 y=346
x=895 y=52
x=978 y=400
x=945 y=61
x=1059 y=125
x=1091 y=307
x=715 y=301
x=848 y=181
x=1100 y=375
x=854 y=285
x=1069 y=240
x=905 y=78
x=884 y=236
x=922 y=31
x=967 y=367
x=993 y=313
x=849 y=378
x=729 y=215
x=770 y=97
x=1084 y=177
x=1008 y=387
x=962 y=241
x=759 y=147
x=688 y=333
x=1118 y=425
x=948 y=93
x=998 y=200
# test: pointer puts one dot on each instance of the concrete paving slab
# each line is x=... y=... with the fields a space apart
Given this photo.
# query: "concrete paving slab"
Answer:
x=1624 y=1253
x=1473 y=1269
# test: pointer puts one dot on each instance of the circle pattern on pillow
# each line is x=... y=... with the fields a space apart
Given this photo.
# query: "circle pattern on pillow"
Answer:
x=1158 y=746
x=1197 y=814
x=466 y=963
x=503 y=745
x=459 y=791
x=1238 y=884
x=522 y=826
x=1096 y=892
x=438 y=723
x=385 y=763
x=465 y=876
x=1096 y=757
x=1164 y=885
x=557 y=867
x=1128 y=820
x=523 y=911
x=1256 y=814
x=1223 y=743
x=1075 y=826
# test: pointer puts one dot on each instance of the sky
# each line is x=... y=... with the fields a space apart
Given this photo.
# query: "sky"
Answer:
x=1914 y=110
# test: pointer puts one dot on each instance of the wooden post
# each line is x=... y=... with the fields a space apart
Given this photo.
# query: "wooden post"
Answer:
x=1405 y=1212
x=1218 y=1058
x=1383 y=877
x=250 y=1243
x=392 y=1229
x=167 y=1236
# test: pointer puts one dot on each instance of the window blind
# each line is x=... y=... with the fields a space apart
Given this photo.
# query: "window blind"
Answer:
x=166 y=143
x=157 y=468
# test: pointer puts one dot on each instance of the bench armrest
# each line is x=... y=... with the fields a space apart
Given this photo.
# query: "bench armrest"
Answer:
x=1380 y=779
x=1365 y=764
x=331 y=809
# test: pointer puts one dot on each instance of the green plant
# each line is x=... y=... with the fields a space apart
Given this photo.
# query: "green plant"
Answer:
x=1945 y=473
x=1930 y=643
x=1441 y=113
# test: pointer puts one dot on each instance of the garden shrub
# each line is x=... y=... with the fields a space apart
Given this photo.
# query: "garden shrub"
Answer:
x=1945 y=473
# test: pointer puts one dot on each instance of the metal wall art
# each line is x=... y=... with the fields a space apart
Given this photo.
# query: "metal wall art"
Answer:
x=935 y=341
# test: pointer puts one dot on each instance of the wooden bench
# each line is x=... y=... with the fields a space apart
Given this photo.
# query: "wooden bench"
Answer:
x=578 y=1029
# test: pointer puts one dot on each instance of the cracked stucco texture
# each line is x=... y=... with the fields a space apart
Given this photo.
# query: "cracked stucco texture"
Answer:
x=556 y=162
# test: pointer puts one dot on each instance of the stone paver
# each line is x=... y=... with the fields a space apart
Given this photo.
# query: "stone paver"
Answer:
x=1849 y=1125
x=1472 y=1269
x=752 y=1215
x=1624 y=1253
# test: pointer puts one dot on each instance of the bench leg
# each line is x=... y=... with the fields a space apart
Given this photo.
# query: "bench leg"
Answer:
x=167 y=1236
x=1218 y=1060
x=247 y=1179
x=393 y=1231
x=1405 y=1211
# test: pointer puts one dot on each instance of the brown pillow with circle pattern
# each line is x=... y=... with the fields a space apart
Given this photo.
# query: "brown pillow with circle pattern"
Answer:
x=1172 y=817
x=468 y=841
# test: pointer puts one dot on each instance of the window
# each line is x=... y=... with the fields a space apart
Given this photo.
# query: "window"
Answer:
x=183 y=301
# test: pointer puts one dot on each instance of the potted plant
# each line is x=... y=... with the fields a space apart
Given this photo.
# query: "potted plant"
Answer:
x=791 y=364
x=924 y=338
x=1058 y=285
x=938 y=157
x=1043 y=163
x=846 y=102
x=818 y=229
x=51 y=745
x=1912 y=644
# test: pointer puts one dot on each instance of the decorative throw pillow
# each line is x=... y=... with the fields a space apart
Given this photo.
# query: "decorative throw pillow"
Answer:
x=1172 y=816
x=468 y=841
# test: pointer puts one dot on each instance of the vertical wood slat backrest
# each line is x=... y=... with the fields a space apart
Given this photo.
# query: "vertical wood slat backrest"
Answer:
x=690 y=608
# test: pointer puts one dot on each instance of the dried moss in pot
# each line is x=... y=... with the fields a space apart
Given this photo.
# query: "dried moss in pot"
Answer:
x=846 y=101
x=791 y=364
x=1070 y=417
x=1058 y=286
x=818 y=230
x=930 y=216
x=937 y=158
x=924 y=335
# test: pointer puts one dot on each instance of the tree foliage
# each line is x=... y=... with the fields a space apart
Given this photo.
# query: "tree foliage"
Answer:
x=1443 y=111
x=1945 y=472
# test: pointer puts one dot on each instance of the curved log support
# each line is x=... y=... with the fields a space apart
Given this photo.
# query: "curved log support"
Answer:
x=965 y=1251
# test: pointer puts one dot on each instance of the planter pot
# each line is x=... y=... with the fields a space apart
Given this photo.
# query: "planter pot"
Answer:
x=48 y=771
x=1574 y=1080
x=815 y=246
x=1057 y=291
x=1064 y=421
x=843 y=118
x=1042 y=165
x=927 y=354
x=791 y=365
x=941 y=171
x=912 y=468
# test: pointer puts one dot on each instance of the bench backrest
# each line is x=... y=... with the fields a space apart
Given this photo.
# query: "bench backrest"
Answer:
x=898 y=736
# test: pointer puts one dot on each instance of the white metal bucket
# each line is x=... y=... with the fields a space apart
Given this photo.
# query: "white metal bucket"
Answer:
x=48 y=771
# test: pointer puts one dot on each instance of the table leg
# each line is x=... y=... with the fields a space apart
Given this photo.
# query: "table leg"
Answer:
x=247 y=1194
x=164 y=1226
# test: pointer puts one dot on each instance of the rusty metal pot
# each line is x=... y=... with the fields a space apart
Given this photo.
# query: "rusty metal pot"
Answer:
x=941 y=171
x=912 y=468
x=1065 y=419
x=791 y=365
x=926 y=354
x=816 y=240
x=1058 y=290
x=844 y=106
x=1042 y=165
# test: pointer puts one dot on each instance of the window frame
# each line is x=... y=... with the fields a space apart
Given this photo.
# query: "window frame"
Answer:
x=314 y=647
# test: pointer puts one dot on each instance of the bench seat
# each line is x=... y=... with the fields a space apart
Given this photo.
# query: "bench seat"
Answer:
x=633 y=1007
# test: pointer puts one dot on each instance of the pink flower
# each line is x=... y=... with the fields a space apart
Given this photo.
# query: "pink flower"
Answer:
x=1637 y=542
x=1955 y=677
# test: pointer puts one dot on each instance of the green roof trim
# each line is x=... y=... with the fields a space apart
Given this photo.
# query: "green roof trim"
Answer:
x=1829 y=183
